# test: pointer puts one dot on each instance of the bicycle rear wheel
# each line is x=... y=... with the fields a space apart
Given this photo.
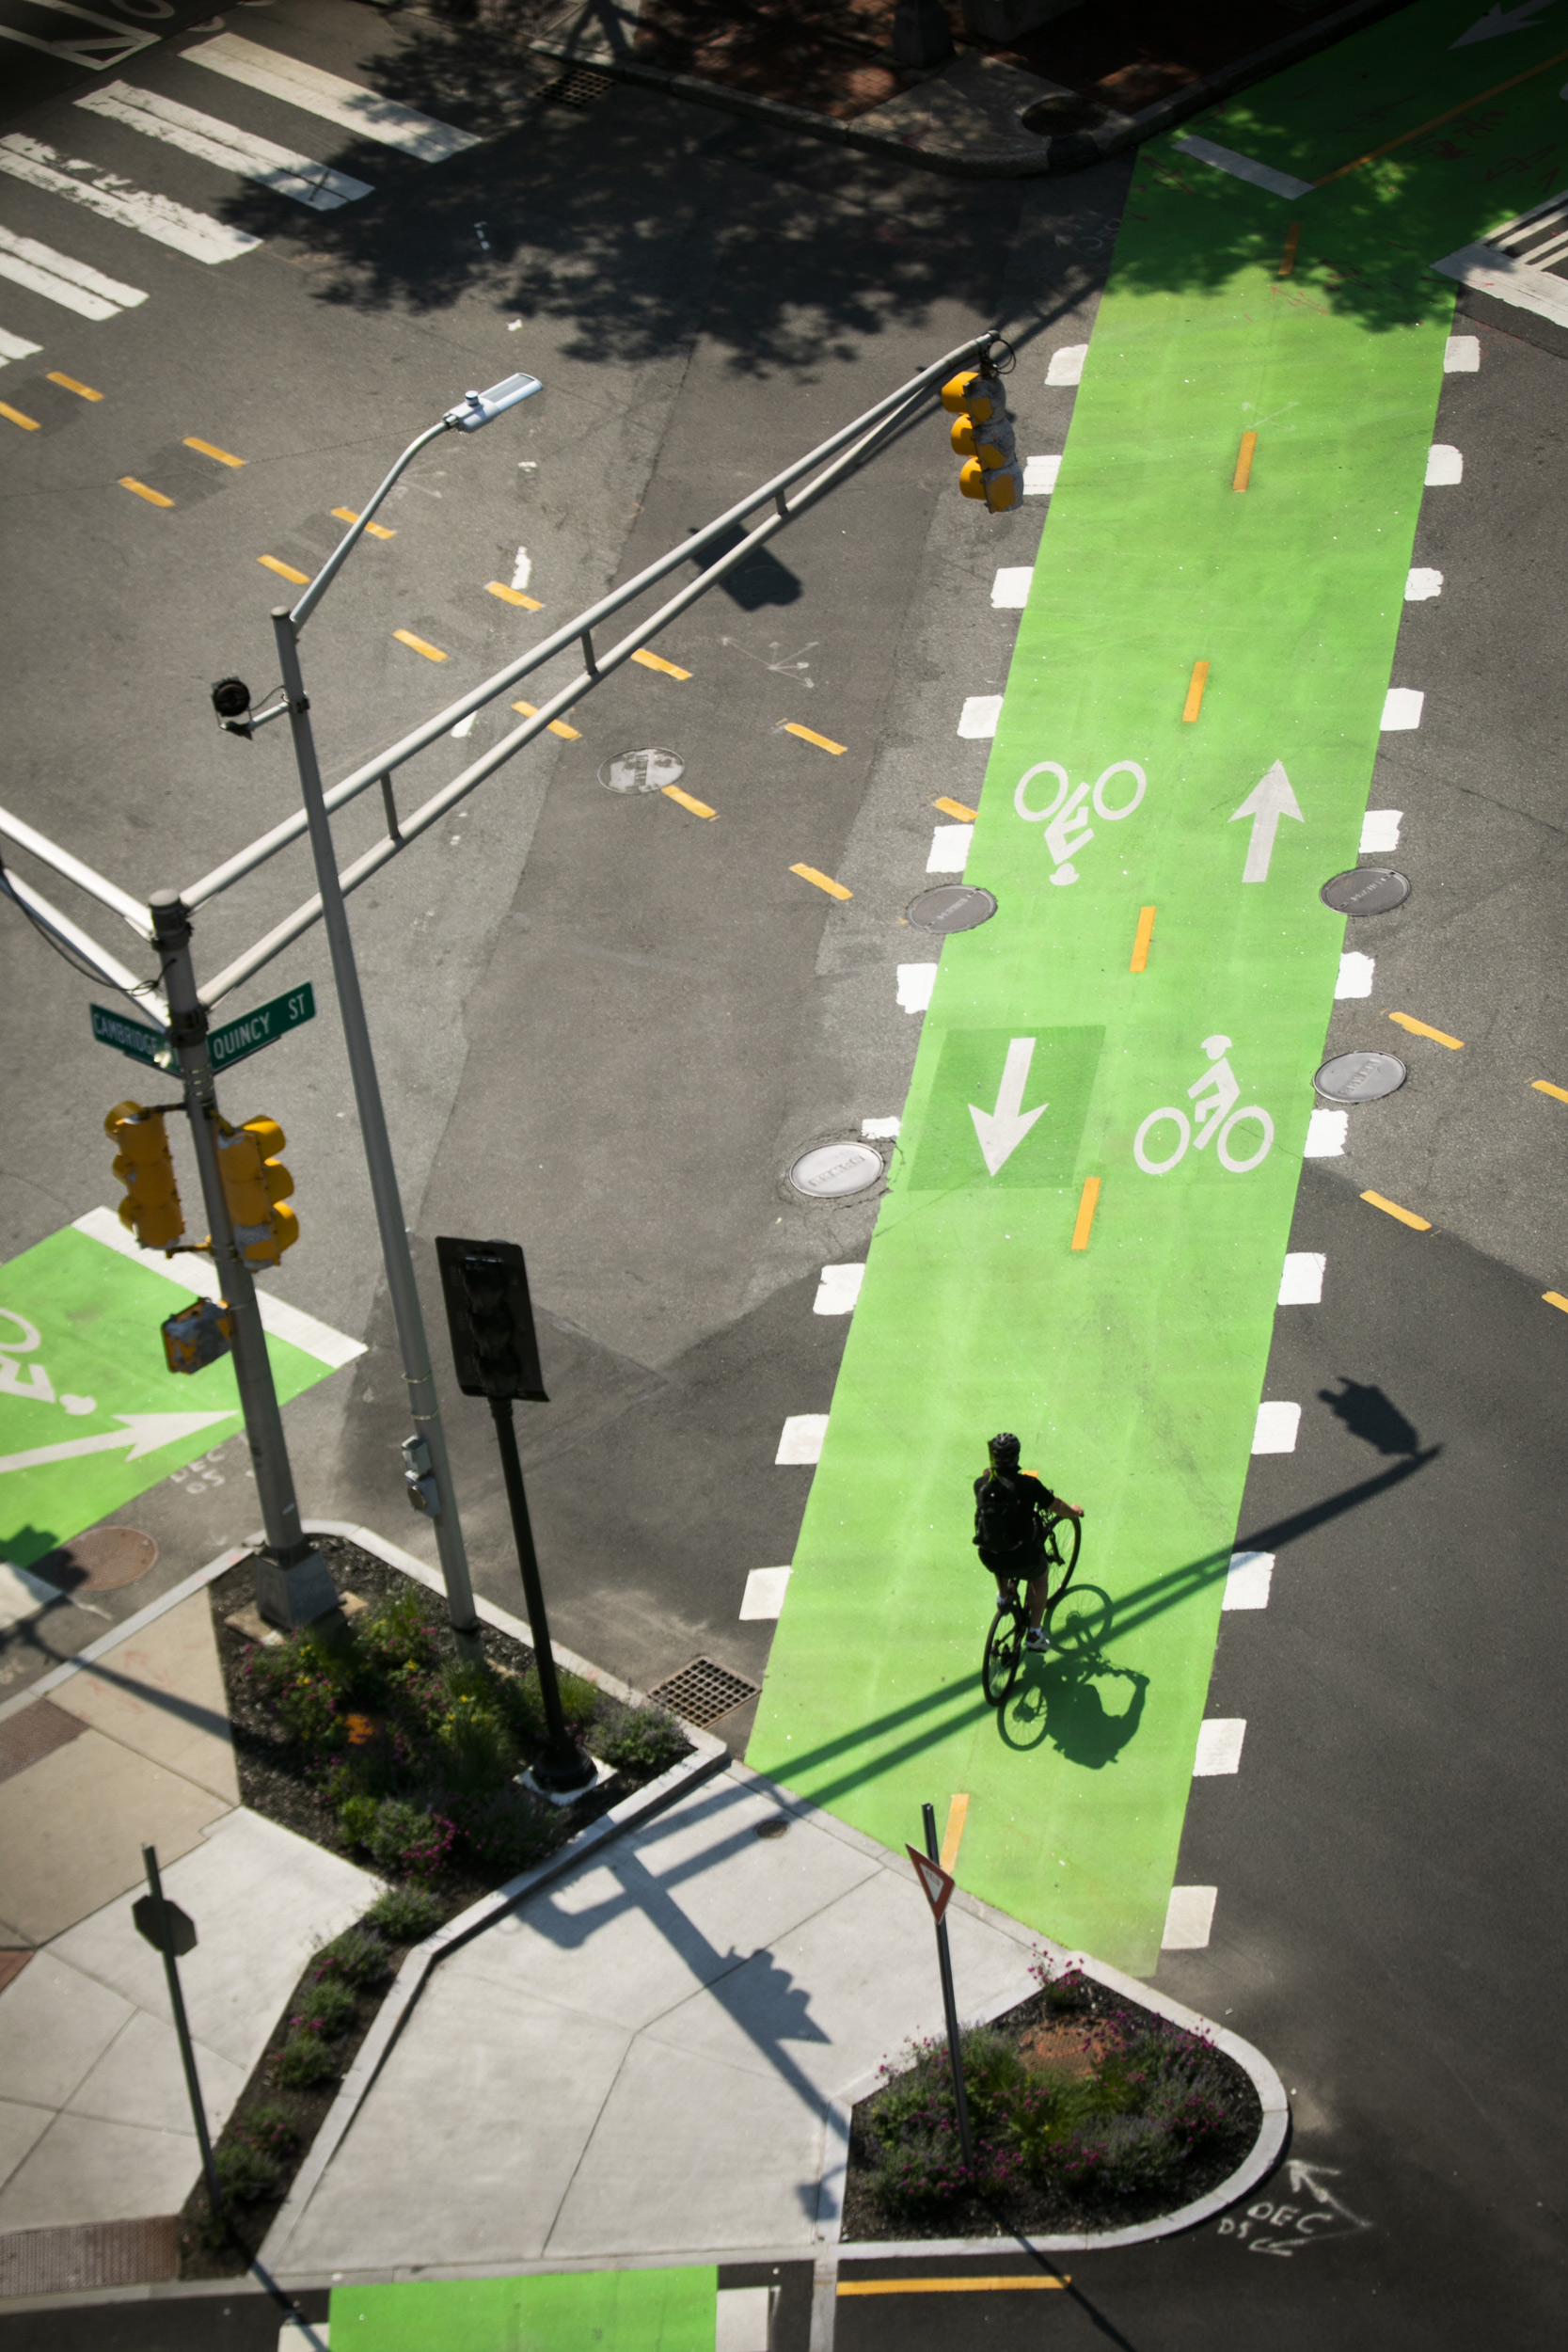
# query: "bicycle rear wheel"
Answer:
x=1004 y=1651
x=1061 y=1557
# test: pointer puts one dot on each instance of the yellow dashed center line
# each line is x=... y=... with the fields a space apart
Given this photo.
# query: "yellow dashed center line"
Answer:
x=1141 y=938
x=957 y=808
x=823 y=882
x=69 y=383
x=513 y=595
x=823 y=742
x=1555 y=1298
x=698 y=808
x=406 y=637
x=558 y=726
x=348 y=515
x=656 y=661
x=1391 y=1208
x=210 y=449
x=958 y=1814
x=1419 y=1028
x=1544 y=1086
x=284 y=571
x=1288 y=259
x=28 y=424
x=946 y=2286
x=1194 y=703
x=1086 y=1212
x=1243 y=464
x=153 y=498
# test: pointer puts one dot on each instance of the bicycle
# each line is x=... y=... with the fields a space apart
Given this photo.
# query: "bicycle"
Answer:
x=1004 y=1640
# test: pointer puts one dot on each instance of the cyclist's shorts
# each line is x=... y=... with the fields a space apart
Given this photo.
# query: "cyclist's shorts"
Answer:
x=1020 y=1567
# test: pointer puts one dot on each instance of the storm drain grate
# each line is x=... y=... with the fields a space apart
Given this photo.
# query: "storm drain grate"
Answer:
x=701 y=1692
x=579 y=90
x=90 y=2254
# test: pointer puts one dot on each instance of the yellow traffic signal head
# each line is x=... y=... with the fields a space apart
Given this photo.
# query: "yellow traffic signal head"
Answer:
x=973 y=394
x=255 y=1182
x=150 y=1208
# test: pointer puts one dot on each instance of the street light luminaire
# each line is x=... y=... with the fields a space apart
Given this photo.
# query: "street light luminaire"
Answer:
x=479 y=408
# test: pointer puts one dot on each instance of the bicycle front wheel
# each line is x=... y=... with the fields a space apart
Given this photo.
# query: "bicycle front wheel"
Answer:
x=1004 y=1651
x=1061 y=1557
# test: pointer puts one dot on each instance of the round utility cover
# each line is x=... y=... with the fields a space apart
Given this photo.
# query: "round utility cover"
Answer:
x=952 y=907
x=1360 y=1077
x=1365 y=890
x=835 y=1169
x=642 y=772
x=100 y=1561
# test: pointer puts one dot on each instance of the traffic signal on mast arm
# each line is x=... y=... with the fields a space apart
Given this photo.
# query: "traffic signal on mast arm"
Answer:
x=150 y=1208
x=255 y=1184
x=983 y=434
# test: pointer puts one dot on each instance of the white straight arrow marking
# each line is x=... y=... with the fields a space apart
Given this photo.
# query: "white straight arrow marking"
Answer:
x=1003 y=1130
x=1499 y=20
x=1266 y=803
x=140 y=1433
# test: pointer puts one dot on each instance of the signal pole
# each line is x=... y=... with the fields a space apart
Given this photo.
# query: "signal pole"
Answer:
x=293 y=1584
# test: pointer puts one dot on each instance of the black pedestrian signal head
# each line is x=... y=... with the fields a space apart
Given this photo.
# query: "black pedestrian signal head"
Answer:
x=490 y=1318
x=231 y=698
x=1005 y=1450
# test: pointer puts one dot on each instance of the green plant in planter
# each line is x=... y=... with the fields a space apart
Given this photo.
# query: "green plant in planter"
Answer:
x=246 y=2172
x=304 y=2061
x=326 y=2006
x=644 y=1740
x=356 y=1818
x=357 y=1957
x=270 y=2128
x=410 y=1838
x=479 y=1748
x=406 y=1914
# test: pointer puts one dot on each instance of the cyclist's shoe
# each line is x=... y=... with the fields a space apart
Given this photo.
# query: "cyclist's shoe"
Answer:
x=1037 y=1638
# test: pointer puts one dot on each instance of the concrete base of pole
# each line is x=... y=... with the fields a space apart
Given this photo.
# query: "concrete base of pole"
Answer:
x=920 y=34
x=292 y=1597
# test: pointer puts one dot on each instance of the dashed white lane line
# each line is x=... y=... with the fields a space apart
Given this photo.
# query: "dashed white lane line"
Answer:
x=349 y=105
x=1039 y=476
x=1247 y=1580
x=1461 y=355
x=1067 y=365
x=1219 y=1746
x=1444 y=466
x=801 y=1441
x=1301 y=1283
x=1188 y=1919
x=1276 y=1427
x=765 y=1593
x=1401 y=709
x=1243 y=166
x=1325 y=1136
x=1009 y=590
x=949 y=848
x=837 y=1289
x=16 y=347
x=224 y=144
x=915 y=983
x=874 y=1128
x=196 y=235
x=1380 y=830
x=1356 y=972
x=980 y=716
x=1422 y=583
x=61 y=279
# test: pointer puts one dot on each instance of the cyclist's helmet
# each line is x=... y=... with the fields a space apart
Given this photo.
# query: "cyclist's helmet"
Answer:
x=1005 y=1450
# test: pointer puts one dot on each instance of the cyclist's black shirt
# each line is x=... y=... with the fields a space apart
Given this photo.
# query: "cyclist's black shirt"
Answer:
x=1035 y=1500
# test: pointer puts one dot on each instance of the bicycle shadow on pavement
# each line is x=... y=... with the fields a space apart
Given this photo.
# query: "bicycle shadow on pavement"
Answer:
x=1059 y=1700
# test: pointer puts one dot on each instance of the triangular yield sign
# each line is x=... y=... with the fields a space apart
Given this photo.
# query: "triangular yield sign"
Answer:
x=936 y=1882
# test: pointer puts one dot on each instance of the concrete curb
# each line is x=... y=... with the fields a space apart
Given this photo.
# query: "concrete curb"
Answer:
x=1073 y=150
x=1260 y=2161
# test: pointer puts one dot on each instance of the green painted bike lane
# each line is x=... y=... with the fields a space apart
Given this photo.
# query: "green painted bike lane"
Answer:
x=601 y=2311
x=1132 y=1367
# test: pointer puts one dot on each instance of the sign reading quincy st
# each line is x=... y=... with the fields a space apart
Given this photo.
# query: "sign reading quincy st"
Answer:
x=263 y=1027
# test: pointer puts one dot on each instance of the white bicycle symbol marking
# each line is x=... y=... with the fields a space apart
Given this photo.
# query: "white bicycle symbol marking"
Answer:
x=1066 y=822
x=1215 y=1117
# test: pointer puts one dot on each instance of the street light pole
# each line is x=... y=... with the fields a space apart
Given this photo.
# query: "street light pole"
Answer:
x=423 y=1403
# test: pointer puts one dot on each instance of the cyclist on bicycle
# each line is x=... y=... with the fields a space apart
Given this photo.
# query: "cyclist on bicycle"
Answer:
x=1012 y=1512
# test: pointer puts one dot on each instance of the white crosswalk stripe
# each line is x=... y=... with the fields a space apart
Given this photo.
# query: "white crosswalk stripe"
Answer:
x=222 y=143
x=15 y=347
x=68 y=283
x=114 y=198
x=349 y=105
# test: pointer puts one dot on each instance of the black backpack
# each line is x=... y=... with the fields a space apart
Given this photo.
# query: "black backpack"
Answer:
x=1004 y=1516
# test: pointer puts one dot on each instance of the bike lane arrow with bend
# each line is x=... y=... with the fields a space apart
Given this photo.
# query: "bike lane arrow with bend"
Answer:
x=1087 y=1216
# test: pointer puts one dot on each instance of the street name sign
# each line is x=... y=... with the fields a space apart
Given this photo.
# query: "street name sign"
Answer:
x=264 y=1027
x=134 y=1037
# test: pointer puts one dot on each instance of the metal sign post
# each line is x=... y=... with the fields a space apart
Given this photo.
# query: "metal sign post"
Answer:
x=937 y=1886
x=172 y=1932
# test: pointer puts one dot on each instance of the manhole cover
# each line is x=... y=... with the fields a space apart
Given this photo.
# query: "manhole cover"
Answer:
x=642 y=772
x=100 y=1561
x=1365 y=890
x=774 y=1828
x=1360 y=1077
x=952 y=907
x=834 y=1171
x=579 y=90
x=701 y=1692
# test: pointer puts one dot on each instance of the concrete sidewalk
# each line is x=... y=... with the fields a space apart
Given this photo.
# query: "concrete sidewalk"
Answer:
x=641 y=2060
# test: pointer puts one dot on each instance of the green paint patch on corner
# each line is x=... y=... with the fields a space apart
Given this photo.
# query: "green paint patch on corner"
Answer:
x=599 y=2310
x=90 y=1414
